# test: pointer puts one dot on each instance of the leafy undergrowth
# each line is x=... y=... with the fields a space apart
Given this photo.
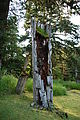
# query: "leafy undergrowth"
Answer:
x=7 y=84
x=16 y=107
x=70 y=85
x=59 y=89
x=69 y=104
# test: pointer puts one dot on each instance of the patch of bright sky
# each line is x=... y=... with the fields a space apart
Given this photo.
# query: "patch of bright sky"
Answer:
x=21 y=27
x=75 y=19
x=22 y=31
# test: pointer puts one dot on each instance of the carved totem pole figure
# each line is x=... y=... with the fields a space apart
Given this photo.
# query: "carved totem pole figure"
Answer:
x=42 y=65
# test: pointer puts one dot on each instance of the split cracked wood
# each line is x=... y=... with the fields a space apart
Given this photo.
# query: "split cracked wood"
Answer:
x=42 y=65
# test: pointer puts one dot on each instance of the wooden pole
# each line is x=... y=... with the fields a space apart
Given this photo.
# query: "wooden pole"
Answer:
x=42 y=67
x=23 y=77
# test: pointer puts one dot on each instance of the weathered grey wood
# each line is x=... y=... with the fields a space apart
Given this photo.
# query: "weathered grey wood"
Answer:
x=21 y=84
x=50 y=77
x=38 y=24
x=42 y=26
x=33 y=30
x=48 y=93
x=22 y=79
x=42 y=72
x=42 y=86
x=45 y=103
x=38 y=81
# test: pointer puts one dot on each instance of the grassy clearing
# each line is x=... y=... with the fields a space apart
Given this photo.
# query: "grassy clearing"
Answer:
x=16 y=107
x=69 y=104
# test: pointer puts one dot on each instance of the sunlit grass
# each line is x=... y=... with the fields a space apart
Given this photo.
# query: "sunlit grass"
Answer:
x=15 y=107
x=69 y=104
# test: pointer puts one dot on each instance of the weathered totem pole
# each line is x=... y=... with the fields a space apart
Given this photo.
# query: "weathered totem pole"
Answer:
x=42 y=65
x=22 y=78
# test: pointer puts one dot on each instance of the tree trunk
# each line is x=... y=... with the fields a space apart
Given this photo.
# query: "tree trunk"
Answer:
x=0 y=62
x=4 y=8
x=42 y=67
x=22 y=79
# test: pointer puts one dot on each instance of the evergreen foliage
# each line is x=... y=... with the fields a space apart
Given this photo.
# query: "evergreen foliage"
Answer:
x=42 y=32
x=65 y=35
x=11 y=54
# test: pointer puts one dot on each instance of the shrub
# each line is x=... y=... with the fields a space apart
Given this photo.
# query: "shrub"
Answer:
x=7 y=84
x=29 y=85
x=3 y=72
x=71 y=85
x=57 y=73
x=68 y=84
x=58 y=89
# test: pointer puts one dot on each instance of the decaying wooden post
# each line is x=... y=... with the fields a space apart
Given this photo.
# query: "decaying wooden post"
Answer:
x=42 y=65
x=23 y=77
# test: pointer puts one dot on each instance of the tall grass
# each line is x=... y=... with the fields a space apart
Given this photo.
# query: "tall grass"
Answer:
x=7 y=84
x=29 y=85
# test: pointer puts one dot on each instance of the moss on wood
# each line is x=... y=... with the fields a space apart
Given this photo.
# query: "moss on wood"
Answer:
x=42 y=32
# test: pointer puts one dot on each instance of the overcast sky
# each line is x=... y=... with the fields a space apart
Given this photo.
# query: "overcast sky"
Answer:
x=74 y=19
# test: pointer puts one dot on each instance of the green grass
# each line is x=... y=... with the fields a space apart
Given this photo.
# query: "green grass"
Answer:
x=7 y=84
x=58 y=89
x=69 y=104
x=16 y=107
